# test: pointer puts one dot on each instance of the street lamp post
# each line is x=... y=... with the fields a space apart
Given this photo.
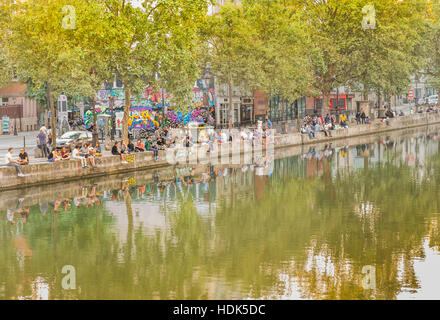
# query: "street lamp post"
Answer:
x=417 y=89
x=112 y=107
x=15 y=121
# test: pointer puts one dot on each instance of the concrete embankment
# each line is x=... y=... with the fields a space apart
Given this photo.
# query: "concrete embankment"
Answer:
x=49 y=173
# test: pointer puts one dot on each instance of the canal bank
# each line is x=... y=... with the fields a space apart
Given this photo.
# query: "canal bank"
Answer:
x=49 y=173
x=31 y=195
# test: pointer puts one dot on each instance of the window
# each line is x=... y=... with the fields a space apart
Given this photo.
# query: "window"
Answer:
x=118 y=82
x=4 y=101
x=224 y=113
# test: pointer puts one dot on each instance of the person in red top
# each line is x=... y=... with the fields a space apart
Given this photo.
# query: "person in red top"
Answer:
x=65 y=155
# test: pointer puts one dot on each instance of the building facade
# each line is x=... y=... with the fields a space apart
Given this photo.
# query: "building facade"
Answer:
x=21 y=110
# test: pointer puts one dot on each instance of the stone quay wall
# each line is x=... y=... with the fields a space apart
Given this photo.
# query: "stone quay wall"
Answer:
x=48 y=173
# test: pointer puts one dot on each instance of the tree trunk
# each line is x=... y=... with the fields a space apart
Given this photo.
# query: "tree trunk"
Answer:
x=366 y=90
x=95 y=127
x=231 y=106
x=126 y=113
x=53 y=115
x=129 y=209
x=379 y=98
x=326 y=103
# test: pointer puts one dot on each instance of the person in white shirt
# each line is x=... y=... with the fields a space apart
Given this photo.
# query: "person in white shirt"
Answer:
x=76 y=155
x=11 y=163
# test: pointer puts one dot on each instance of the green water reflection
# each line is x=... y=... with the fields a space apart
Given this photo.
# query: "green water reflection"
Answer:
x=298 y=227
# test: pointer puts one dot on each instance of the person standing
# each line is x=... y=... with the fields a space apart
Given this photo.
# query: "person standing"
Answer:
x=358 y=117
x=12 y=163
x=42 y=142
x=363 y=116
x=44 y=129
x=49 y=136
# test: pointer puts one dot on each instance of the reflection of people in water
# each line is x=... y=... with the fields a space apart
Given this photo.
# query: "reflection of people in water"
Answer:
x=56 y=205
x=43 y=208
x=23 y=213
x=20 y=211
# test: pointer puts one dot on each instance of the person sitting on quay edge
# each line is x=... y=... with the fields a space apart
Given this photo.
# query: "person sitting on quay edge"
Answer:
x=23 y=158
x=86 y=153
x=149 y=147
x=53 y=156
x=161 y=143
x=98 y=150
x=124 y=148
x=130 y=146
x=389 y=114
x=326 y=129
x=65 y=154
x=139 y=146
x=117 y=152
x=12 y=163
x=343 y=122
x=91 y=155
x=76 y=154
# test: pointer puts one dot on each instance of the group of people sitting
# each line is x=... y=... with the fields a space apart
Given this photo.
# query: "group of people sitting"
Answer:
x=86 y=153
x=313 y=124
x=23 y=159
x=121 y=149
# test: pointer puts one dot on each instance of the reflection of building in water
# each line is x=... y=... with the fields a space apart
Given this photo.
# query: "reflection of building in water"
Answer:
x=233 y=184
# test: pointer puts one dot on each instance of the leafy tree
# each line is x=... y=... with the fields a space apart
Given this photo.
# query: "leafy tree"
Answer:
x=282 y=63
x=381 y=56
x=155 y=37
x=42 y=49
x=5 y=62
x=432 y=69
x=384 y=58
x=230 y=49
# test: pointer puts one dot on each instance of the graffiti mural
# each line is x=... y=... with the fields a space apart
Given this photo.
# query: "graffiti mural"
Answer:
x=147 y=111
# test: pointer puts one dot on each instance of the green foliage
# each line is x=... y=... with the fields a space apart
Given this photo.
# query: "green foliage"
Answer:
x=281 y=63
x=384 y=58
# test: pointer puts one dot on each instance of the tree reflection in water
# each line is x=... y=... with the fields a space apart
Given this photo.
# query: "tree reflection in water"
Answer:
x=306 y=230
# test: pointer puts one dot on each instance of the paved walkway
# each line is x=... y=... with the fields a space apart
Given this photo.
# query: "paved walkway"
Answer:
x=29 y=138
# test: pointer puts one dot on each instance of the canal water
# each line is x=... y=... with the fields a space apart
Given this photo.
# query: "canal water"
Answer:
x=347 y=220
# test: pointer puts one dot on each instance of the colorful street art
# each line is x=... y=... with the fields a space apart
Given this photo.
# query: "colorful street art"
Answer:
x=147 y=109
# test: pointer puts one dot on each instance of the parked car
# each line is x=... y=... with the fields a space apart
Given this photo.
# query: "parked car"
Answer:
x=72 y=138
x=421 y=101
x=199 y=128
x=433 y=100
